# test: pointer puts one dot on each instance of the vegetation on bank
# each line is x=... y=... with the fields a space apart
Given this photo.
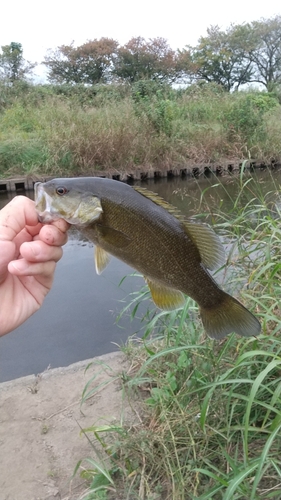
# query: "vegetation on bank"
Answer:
x=67 y=130
x=208 y=414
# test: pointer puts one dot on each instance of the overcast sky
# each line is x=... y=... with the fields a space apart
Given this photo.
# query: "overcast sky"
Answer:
x=41 y=25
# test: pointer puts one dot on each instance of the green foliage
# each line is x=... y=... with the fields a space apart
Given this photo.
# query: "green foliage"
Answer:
x=240 y=54
x=22 y=156
x=84 y=129
x=140 y=59
x=88 y=96
x=147 y=89
x=13 y=66
x=264 y=50
x=159 y=111
x=264 y=101
x=23 y=93
x=245 y=115
x=100 y=61
x=89 y=63
x=219 y=58
x=209 y=413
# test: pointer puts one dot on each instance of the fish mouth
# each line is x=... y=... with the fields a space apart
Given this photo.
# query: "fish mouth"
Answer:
x=42 y=204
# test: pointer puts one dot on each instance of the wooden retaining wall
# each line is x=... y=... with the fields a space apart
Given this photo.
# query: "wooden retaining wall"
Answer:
x=27 y=183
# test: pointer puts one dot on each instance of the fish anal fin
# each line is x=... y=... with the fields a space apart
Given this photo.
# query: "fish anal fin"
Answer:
x=102 y=259
x=165 y=297
x=208 y=243
x=229 y=317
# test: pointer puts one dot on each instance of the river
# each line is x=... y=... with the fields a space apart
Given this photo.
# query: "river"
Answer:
x=78 y=318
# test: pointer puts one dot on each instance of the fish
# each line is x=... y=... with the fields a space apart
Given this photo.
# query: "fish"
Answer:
x=175 y=254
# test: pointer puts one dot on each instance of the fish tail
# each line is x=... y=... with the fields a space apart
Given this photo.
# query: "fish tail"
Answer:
x=228 y=317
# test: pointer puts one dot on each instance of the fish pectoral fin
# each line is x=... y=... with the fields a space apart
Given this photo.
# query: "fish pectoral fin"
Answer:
x=208 y=243
x=165 y=297
x=102 y=259
x=113 y=237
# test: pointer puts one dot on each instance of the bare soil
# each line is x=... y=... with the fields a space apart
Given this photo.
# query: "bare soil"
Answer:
x=40 y=441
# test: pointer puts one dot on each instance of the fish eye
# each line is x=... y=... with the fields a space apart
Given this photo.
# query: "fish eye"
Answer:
x=61 y=191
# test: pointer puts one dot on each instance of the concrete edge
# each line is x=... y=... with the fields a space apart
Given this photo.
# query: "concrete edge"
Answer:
x=53 y=372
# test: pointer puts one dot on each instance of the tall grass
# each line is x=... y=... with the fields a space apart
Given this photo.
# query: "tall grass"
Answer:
x=46 y=129
x=209 y=412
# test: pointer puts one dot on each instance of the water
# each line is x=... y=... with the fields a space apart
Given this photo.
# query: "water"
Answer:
x=78 y=318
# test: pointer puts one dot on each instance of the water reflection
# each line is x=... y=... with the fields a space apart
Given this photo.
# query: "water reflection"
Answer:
x=188 y=194
x=8 y=196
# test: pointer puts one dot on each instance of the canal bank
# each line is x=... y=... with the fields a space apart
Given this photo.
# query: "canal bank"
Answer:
x=40 y=421
x=26 y=183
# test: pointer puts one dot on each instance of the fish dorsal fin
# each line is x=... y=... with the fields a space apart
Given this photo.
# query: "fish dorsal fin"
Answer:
x=102 y=259
x=161 y=202
x=208 y=243
x=165 y=297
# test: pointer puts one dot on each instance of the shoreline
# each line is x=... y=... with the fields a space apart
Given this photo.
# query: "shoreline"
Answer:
x=20 y=183
x=61 y=370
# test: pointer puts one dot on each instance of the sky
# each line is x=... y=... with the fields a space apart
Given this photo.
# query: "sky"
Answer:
x=39 y=25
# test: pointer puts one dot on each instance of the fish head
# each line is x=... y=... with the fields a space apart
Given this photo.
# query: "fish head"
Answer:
x=65 y=199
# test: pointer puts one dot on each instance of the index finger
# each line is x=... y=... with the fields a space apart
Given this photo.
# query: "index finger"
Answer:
x=55 y=234
x=15 y=216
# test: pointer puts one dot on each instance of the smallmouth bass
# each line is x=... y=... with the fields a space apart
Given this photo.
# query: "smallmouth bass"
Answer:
x=137 y=226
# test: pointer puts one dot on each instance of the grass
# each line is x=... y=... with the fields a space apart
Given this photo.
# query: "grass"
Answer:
x=209 y=413
x=65 y=131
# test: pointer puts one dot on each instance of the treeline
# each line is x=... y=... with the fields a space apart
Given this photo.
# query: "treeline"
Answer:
x=241 y=54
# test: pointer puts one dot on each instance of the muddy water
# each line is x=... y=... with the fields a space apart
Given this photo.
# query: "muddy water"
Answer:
x=78 y=318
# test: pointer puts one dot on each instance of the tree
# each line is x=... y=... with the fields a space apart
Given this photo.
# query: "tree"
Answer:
x=263 y=45
x=241 y=54
x=219 y=57
x=146 y=60
x=89 y=63
x=13 y=67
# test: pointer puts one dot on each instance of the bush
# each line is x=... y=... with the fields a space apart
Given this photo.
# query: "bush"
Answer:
x=246 y=115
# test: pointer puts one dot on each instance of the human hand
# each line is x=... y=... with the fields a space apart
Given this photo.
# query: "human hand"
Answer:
x=28 y=255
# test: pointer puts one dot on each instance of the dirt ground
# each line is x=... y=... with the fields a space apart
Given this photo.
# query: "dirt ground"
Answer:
x=40 y=442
